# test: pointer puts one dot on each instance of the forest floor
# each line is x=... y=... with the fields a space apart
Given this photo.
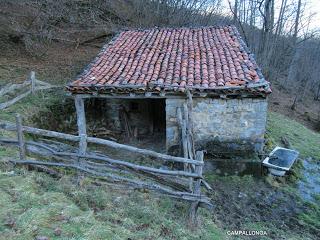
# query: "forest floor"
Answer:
x=34 y=204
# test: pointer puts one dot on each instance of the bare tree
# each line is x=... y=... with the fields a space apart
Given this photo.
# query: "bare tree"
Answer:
x=296 y=24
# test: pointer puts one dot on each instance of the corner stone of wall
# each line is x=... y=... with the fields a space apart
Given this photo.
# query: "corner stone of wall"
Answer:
x=238 y=124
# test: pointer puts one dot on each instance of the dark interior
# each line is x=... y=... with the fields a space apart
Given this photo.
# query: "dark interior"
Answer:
x=140 y=122
x=147 y=115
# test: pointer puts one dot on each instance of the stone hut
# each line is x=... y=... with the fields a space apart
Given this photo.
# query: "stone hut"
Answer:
x=147 y=73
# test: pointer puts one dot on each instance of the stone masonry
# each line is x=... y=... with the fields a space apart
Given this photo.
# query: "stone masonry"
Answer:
x=233 y=124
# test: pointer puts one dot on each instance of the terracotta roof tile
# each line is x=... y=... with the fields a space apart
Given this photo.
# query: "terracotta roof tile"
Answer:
x=206 y=57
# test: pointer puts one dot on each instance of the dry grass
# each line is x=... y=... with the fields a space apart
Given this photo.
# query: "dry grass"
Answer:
x=61 y=63
x=36 y=204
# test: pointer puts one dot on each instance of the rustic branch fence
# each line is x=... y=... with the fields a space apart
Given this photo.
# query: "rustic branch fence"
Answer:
x=32 y=85
x=172 y=182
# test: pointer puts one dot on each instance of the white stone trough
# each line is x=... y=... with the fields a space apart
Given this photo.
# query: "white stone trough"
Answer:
x=280 y=160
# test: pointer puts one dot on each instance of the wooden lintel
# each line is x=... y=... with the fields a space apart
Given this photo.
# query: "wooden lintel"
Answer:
x=162 y=95
x=130 y=96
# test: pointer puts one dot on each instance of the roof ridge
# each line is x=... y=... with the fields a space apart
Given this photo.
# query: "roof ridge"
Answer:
x=175 y=28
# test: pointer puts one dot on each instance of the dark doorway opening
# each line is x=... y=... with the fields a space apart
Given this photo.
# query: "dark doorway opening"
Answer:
x=138 y=122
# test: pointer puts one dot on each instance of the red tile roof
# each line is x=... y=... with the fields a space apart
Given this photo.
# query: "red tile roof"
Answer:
x=171 y=59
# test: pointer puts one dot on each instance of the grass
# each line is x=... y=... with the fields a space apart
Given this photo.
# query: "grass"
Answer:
x=32 y=105
x=312 y=216
x=306 y=141
x=38 y=204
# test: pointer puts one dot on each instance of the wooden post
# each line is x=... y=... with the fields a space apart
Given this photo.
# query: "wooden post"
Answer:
x=193 y=218
x=81 y=117
x=82 y=148
x=182 y=124
x=22 y=149
x=188 y=131
x=82 y=130
x=189 y=115
x=33 y=81
x=184 y=139
x=83 y=144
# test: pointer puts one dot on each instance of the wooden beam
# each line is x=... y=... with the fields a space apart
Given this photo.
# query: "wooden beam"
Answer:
x=163 y=95
x=22 y=148
x=183 y=127
x=193 y=218
x=82 y=131
x=190 y=130
x=83 y=144
x=37 y=148
x=21 y=96
x=137 y=183
x=14 y=100
x=128 y=95
x=12 y=87
x=81 y=118
x=33 y=81
x=69 y=137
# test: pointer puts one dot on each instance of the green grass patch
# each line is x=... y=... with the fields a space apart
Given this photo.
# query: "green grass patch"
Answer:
x=38 y=204
x=306 y=141
x=32 y=105
x=311 y=217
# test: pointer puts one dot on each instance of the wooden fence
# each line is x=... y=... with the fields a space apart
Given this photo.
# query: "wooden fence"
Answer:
x=30 y=86
x=169 y=181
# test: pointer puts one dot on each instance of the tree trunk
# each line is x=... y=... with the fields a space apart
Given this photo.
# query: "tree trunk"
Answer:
x=235 y=12
x=296 y=24
x=294 y=104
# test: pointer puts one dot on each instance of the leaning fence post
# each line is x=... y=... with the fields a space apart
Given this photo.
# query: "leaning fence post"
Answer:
x=22 y=149
x=33 y=81
x=193 y=218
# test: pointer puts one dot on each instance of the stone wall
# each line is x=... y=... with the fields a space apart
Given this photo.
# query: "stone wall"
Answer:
x=221 y=125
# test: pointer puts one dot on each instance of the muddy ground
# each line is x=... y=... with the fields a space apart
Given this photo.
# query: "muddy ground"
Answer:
x=265 y=203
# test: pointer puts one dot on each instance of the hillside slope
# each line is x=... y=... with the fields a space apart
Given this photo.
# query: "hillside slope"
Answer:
x=35 y=204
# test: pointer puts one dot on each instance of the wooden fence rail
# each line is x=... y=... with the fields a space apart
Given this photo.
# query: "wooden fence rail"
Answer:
x=47 y=133
x=171 y=182
x=32 y=84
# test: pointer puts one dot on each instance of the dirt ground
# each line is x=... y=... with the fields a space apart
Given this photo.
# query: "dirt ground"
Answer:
x=253 y=203
x=60 y=63
x=307 y=112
